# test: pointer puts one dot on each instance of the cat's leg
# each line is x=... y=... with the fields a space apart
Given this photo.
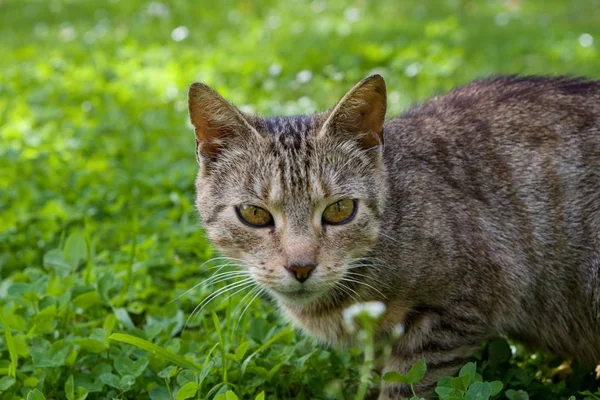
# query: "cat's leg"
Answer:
x=444 y=343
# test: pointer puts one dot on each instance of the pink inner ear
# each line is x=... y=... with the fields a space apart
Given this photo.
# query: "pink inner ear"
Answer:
x=372 y=115
x=214 y=120
x=207 y=133
x=362 y=112
x=208 y=141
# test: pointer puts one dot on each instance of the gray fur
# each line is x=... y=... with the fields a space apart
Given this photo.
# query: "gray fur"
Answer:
x=478 y=216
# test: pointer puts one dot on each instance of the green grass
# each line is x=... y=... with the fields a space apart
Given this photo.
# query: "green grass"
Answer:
x=99 y=240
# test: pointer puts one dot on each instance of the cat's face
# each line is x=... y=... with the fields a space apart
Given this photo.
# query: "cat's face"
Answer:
x=294 y=200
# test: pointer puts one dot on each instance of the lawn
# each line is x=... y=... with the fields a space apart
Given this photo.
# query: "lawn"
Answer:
x=102 y=257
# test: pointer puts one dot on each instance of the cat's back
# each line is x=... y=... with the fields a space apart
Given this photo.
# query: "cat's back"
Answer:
x=508 y=128
x=509 y=109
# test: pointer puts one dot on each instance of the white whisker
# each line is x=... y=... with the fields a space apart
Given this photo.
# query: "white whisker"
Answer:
x=346 y=290
x=210 y=297
x=213 y=280
x=260 y=290
x=390 y=238
x=364 y=284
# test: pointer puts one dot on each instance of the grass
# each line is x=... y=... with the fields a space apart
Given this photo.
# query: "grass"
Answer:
x=101 y=252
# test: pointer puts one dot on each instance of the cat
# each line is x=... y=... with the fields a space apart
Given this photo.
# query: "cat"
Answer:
x=473 y=215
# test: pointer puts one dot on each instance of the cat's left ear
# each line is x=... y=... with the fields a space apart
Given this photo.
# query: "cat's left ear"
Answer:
x=361 y=113
x=217 y=123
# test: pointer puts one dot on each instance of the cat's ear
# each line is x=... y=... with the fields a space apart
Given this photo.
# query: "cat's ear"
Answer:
x=216 y=121
x=361 y=113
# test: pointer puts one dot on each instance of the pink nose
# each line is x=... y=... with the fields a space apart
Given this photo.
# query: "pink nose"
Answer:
x=301 y=272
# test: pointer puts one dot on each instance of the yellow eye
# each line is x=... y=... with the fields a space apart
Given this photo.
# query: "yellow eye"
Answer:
x=254 y=216
x=340 y=212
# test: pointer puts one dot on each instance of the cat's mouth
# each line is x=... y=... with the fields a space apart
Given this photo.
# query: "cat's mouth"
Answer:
x=298 y=297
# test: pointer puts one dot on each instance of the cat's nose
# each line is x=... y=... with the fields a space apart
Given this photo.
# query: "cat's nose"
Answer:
x=300 y=271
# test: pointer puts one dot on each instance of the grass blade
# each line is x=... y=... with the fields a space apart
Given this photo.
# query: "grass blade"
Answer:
x=155 y=350
x=12 y=348
x=283 y=333
x=222 y=344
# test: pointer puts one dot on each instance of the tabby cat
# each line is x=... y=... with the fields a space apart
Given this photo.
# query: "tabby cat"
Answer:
x=473 y=215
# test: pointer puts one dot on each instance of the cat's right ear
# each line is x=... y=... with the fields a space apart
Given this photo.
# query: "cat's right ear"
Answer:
x=216 y=122
x=361 y=113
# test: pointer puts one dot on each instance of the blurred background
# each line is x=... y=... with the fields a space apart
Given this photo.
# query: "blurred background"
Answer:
x=97 y=157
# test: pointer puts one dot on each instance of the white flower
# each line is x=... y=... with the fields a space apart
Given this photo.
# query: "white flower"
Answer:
x=180 y=33
x=304 y=76
x=372 y=309
x=586 y=40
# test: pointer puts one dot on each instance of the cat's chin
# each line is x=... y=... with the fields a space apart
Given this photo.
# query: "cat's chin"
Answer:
x=298 y=298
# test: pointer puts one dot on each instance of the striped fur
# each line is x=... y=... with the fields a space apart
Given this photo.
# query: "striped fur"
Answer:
x=478 y=216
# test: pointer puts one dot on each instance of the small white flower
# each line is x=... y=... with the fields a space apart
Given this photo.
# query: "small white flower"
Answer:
x=275 y=69
x=306 y=104
x=373 y=309
x=304 y=76
x=318 y=6
x=86 y=106
x=171 y=92
x=502 y=19
x=273 y=21
x=586 y=40
x=157 y=9
x=352 y=14
x=67 y=32
x=180 y=33
x=412 y=70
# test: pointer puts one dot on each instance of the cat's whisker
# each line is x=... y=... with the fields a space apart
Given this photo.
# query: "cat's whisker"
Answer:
x=356 y=273
x=243 y=299
x=186 y=292
x=212 y=281
x=234 y=293
x=216 y=294
x=394 y=240
x=347 y=290
x=366 y=261
x=216 y=259
x=208 y=280
x=258 y=293
x=205 y=282
x=224 y=276
x=210 y=297
x=365 y=276
x=364 y=284
x=221 y=266
x=230 y=263
x=356 y=266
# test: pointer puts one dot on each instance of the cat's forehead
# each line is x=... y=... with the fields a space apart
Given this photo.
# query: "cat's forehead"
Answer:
x=292 y=164
x=298 y=125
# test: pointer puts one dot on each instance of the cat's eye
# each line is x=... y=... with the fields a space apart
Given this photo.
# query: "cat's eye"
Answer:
x=340 y=212
x=254 y=216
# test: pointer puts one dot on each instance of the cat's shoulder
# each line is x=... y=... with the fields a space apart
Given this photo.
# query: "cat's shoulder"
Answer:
x=514 y=97
x=510 y=89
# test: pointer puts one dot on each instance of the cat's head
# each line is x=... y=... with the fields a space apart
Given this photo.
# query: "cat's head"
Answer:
x=295 y=200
